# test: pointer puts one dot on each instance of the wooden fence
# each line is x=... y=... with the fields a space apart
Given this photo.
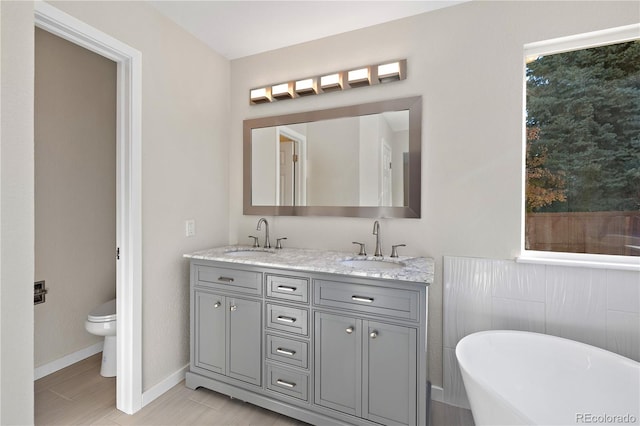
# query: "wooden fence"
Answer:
x=585 y=232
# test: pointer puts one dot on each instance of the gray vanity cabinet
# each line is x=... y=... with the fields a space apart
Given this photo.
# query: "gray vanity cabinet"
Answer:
x=323 y=348
x=243 y=340
x=338 y=353
x=389 y=377
x=226 y=328
x=210 y=331
x=227 y=336
x=366 y=368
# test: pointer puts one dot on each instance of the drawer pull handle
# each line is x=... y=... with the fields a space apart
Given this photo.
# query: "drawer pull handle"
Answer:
x=217 y=305
x=373 y=334
x=286 y=351
x=362 y=299
x=349 y=330
x=285 y=384
x=286 y=319
x=225 y=279
x=233 y=308
x=285 y=288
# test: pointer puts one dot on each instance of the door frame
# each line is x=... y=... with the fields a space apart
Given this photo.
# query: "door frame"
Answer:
x=128 y=192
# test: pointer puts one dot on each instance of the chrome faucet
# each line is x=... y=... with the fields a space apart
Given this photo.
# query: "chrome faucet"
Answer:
x=376 y=232
x=267 y=244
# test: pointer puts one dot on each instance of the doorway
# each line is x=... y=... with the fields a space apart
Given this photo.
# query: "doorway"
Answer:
x=128 y=192
x=75 y=200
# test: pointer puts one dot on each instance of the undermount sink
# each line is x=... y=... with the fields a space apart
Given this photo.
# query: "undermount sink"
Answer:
x=248 y=253
x=372 y=264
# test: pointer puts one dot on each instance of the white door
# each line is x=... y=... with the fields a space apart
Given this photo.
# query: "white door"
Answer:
x=385 y=196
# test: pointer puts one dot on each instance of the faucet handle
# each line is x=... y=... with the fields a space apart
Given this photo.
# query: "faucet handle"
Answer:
x=255 y=241
x=362 y=250
x=394 y=249
x=278 y=243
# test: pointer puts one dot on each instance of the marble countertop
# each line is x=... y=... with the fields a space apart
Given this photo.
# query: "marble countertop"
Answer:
x=414 y=269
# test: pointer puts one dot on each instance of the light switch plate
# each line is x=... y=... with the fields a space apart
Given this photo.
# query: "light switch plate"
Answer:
x=190 y=227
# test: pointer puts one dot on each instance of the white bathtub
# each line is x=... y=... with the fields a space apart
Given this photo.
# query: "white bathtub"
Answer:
x=521 y=378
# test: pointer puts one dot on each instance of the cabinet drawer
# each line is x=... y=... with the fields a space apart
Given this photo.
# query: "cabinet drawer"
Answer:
x=229 y=279
x=288 y=351
x=289 y=288
x=391 y=302
x=289 y=319
x=288 y=382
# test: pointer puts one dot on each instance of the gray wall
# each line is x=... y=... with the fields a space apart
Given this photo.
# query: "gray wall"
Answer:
x=184 y=166
x=263 y=170
x=332 y=173
x=184 y=176
x=192 y=156
x=467 y=63
x=75 y=192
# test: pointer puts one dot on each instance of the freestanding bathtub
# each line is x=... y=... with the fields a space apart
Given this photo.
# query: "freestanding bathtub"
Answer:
x=522 y=378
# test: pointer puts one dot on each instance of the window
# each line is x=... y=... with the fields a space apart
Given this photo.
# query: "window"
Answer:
x=582 y=156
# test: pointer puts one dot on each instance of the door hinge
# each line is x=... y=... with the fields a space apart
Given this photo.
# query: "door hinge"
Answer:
x=118 y=253
x=295 y=158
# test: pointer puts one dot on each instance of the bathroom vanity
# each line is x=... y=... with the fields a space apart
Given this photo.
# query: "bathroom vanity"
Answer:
x=324 y=337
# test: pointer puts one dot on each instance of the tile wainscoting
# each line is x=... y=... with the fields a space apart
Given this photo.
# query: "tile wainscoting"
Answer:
x=600 y=307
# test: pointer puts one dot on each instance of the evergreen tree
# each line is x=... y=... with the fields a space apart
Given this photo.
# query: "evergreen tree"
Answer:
x=585 y=107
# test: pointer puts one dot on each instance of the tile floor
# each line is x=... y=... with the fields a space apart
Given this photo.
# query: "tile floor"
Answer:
x=78 y=395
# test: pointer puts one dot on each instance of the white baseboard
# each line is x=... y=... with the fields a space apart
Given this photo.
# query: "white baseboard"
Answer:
x=157 y=390
x=65 y=361
x=437 y=393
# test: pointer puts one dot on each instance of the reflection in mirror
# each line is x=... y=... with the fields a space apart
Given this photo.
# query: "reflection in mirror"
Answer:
x=353 y=161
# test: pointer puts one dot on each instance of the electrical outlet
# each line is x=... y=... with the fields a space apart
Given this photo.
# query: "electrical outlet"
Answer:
x=190 y=227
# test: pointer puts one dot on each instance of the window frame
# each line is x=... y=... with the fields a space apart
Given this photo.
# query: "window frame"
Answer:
x=550 y=47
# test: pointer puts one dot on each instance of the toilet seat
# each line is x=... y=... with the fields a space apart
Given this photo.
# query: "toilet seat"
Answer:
x=103 y=313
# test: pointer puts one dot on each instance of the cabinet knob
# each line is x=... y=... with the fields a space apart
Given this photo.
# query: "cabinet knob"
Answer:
x=233 y=308
x=373 y=334
x=217 y=305
x=349 y=330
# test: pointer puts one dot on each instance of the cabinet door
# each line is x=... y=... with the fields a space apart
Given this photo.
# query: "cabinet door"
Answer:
x=209 y=332
x=244 y=340
x=338 y=370
x=389 y=376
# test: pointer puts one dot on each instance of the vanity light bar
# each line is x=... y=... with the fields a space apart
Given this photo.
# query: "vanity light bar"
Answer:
x=282 y=91
x=262 y=95
x=308 y=86
x=338 y=81
x=331 y=82
x=392 y=71
x=359 y=77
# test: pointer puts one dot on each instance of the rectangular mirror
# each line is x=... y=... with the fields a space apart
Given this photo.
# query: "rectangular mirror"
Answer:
x=356 y=161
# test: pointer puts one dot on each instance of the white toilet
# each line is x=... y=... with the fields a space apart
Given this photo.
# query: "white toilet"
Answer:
x=101 y=321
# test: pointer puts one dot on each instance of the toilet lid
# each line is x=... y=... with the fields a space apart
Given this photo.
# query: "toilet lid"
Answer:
x=103 y=313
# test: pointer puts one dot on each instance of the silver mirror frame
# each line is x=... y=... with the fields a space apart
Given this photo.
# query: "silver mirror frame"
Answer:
x=412 y=210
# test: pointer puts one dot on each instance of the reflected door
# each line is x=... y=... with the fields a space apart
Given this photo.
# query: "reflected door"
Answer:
x=386 y=196
x=288 y=157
